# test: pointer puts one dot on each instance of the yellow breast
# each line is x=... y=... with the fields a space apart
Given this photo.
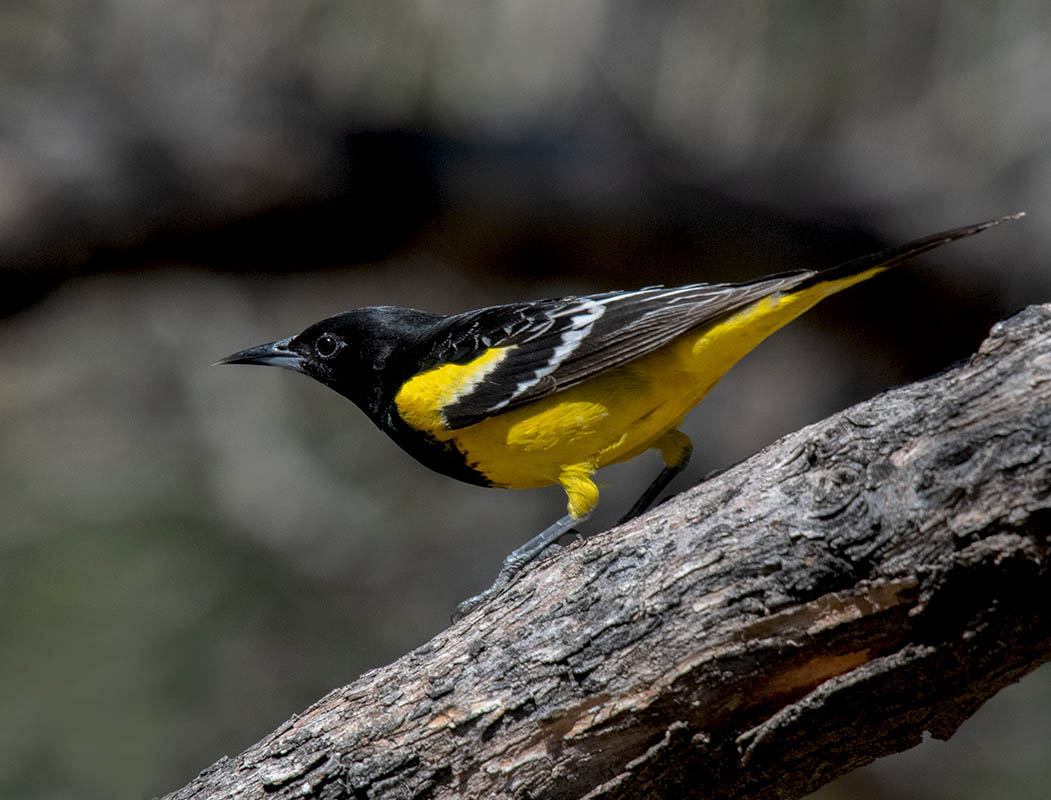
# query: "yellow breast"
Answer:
x=608 y=418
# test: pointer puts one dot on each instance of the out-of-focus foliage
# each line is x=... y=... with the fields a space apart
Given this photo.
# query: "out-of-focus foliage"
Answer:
x=189 y=555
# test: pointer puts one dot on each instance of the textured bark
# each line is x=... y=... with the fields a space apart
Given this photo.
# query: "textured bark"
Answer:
x=866 y=579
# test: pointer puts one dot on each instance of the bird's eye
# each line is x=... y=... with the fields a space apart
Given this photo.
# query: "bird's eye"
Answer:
x=327 y=345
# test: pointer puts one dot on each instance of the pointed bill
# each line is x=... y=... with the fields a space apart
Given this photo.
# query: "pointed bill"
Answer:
x=272 y=354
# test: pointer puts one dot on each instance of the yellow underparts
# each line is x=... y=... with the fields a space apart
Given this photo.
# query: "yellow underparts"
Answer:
x=612 y=417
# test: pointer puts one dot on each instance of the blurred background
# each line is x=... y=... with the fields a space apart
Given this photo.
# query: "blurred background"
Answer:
x=189 y=555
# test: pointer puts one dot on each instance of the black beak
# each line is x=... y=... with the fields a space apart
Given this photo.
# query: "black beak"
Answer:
x=273 y=354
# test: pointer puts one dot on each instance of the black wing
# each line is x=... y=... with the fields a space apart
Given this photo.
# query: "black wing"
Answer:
x=555 y=344
x=559 y=343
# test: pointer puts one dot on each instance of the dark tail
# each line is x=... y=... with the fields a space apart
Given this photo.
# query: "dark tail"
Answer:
x=895 y=255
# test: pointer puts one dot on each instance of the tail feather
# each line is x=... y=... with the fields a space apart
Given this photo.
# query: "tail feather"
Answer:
x=885 y=259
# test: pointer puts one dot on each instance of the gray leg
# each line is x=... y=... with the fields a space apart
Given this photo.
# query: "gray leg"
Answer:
x=652 y=491
x=518 y=559
x=676 y=449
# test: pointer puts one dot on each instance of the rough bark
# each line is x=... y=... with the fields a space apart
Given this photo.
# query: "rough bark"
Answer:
x=871 y=577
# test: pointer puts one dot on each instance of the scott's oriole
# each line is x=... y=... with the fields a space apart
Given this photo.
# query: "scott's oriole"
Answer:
x=547 y=392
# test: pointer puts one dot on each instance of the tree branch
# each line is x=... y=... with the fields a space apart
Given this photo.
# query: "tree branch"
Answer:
x=866 y=579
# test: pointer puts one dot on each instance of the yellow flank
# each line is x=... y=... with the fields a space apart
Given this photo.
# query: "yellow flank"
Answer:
x=720 y=346
x=565 y=437
x=421 y=399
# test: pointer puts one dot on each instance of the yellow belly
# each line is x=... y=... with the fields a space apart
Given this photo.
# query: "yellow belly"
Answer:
x=565 y=437
x=611 y=417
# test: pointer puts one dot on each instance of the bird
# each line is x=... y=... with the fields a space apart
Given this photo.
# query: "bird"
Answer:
x=547 y=392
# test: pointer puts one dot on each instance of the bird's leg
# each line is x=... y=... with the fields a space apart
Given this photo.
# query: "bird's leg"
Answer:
x=581 y=497
x=519 y=558
x=676 y=449
x=654 y=489
x=535 y=546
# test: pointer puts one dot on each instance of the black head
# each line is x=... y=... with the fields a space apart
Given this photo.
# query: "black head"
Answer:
x=361 y=354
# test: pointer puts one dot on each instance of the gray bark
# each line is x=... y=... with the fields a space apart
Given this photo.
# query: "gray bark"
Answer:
x=866 y=579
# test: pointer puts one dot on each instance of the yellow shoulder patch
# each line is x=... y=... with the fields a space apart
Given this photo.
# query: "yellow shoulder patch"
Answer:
x=421 y=400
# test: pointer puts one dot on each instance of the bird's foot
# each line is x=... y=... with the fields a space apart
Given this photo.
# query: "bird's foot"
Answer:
x=543 y=543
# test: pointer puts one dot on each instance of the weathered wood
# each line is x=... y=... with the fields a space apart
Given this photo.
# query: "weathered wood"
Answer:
x=861 y=581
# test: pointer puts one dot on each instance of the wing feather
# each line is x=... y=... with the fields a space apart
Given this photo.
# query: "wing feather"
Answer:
x=551 y=345
x=555 y=344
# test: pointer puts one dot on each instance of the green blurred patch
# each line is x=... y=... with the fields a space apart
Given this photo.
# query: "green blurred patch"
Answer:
x=154 y=646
